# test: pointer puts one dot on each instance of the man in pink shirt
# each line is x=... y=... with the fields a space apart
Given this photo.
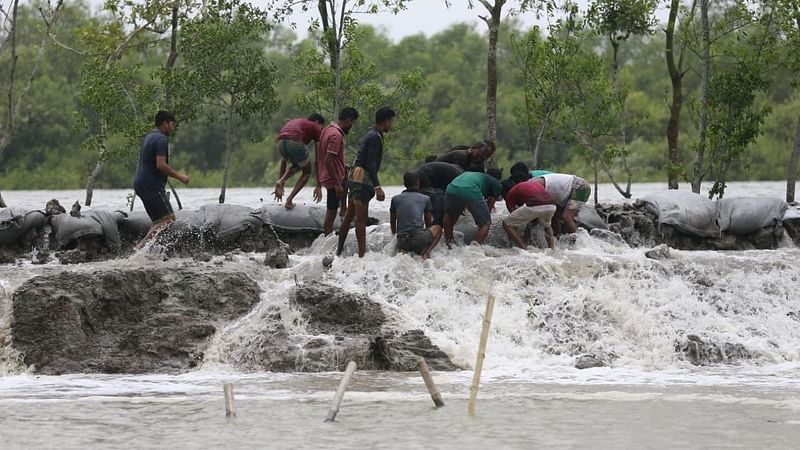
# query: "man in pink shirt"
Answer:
x=331 y=170
x=292 y=145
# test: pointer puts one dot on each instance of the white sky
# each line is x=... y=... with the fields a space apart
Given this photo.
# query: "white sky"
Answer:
x=421 y=16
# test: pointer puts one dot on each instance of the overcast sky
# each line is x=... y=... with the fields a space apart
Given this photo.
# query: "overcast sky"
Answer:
x=426 y=16
x=421 y=16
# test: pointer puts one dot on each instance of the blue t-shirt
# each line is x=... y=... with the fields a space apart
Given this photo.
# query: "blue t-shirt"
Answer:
x=148 y=177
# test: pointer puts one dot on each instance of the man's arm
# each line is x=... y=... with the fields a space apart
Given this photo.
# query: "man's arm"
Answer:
x=374 y=155
x=163 y=167
x=393 y=221
x=490 y=203
x=428 y=219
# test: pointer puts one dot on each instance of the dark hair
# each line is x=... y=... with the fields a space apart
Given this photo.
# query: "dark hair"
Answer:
x=496 y=173
x=317 y=117
x=348 y=113
x=410 y=180
x=384 y=114
x=485 y=143
x=460 y=147
x=520 y=167
x=431 y=158
x=164 y=116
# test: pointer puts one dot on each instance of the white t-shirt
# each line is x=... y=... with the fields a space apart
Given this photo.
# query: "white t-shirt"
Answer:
x=559 y=186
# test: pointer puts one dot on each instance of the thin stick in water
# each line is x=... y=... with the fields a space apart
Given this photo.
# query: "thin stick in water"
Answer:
x=476 y=377
x=230 y=408
x=436 y=396
x=337 y=399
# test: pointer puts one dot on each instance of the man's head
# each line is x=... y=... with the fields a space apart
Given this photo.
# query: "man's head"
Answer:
x=318 y=118
x=347 y=118
x=497 y=174
x=384 y=118
x=165 y=122
x=411 y=180
x=482 y=150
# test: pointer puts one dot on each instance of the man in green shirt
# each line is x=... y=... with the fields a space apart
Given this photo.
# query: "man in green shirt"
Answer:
x=477 y=192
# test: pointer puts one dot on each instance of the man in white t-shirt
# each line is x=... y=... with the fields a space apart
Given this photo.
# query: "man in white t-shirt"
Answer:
x=569 y=193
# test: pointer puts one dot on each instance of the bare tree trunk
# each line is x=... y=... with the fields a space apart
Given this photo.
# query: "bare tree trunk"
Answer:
x=228 y=145
x=623 y=134
x=675 y=75
x=173 y=54
x=333 y=36
x=539 y=137
x=493 y=22
x=791 y=175
x=98 y=167
x=610 y=175
x=171 y=59
x=697 y=176
x=594 y=169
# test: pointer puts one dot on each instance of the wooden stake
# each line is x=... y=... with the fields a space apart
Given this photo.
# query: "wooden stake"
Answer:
x=476 y=377
x=230 y=409
x=337 y=399
x=436 y=396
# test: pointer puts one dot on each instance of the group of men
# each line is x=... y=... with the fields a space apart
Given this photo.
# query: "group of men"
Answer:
x=437 y=193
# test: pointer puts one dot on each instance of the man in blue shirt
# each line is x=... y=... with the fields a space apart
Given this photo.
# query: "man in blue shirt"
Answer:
x=152 y=172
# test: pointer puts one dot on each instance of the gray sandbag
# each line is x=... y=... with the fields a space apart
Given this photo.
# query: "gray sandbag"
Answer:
x=228 y=221
x=301 y=218
x=135 y=223
x=690 y=213
x=92 y=223
x=15 y=223
x=746 y=215
x=588 y=217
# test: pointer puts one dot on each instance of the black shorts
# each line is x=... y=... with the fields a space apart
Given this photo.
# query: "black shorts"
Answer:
x=157 y=205
x=333 y=201
x=454 y=206
x=437 y=203
x=360 y=191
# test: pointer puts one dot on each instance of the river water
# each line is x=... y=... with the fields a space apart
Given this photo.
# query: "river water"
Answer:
x=592 y=298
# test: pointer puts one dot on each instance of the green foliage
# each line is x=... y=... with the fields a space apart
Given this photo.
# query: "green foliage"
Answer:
x=46 y=151
x=224 y=65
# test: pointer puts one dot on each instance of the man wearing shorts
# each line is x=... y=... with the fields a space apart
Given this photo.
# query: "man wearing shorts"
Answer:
x=331 y=170
x=292 y=145
x=411 y=219
x=152 y=172
x=528 y=202
x=434 y=177
x=477 y=192
x=364 y=183
x=569 y=194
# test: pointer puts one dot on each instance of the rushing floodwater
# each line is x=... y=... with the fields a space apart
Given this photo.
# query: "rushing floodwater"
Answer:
x=595 y=298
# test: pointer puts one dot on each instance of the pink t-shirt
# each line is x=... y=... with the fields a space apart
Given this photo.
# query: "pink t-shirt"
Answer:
x=300 y=130
x=331 y=143
x=527 y=191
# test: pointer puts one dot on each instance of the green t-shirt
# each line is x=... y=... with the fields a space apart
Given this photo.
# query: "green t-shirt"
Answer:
x=475 y=186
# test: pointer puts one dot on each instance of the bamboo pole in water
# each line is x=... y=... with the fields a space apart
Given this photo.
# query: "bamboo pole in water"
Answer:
x=436 y=396
x=476 y=377
x=230 y=408
x=337 y=399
